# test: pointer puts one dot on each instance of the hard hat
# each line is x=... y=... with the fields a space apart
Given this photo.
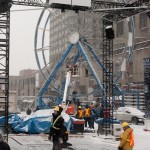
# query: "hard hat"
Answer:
x=124 y=124
x=79 y=107
x=56 y=108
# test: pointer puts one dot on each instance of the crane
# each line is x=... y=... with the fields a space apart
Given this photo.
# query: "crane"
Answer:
x=119 y=11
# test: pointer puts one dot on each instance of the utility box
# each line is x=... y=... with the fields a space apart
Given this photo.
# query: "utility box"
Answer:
x=70 y=4
x=117 y=130
x=147 y=124
x=78 y=126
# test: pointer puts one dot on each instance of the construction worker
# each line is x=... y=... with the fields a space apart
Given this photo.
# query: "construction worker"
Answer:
x=87 y=116
x=58 y=132
x=127 y=138
x=79 y=114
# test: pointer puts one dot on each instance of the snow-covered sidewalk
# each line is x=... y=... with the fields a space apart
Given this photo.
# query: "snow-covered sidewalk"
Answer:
x=90 y=141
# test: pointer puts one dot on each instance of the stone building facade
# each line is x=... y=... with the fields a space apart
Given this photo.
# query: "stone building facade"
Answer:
x=132 y=78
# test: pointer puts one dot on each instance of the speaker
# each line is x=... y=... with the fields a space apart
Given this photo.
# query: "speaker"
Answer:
x=109 y=32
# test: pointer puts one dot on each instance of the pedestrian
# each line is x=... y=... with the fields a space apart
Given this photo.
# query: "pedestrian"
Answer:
x=127 y=138
x=87 y=116
x=79 y=114
x=3 y=145
x=94 y=116
x=58 y=132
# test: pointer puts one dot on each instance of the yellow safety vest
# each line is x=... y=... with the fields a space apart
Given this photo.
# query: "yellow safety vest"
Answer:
x=53 y=123
x=80 y=114
x=87 y=112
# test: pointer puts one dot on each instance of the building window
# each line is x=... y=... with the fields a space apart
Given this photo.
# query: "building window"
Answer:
x=143 y=20
x=120 y=28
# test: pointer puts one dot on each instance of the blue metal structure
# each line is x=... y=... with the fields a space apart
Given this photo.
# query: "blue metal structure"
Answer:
x=48 y=81
x=59 y=64
x=81 y=51
x=117 y=90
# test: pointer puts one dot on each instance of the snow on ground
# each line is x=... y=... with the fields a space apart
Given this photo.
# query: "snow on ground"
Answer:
x=142 y=138
x=90 y=141
x=93 y=142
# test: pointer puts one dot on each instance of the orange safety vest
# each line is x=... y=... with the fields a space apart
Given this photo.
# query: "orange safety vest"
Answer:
x=80 y=113
x=87 y=112
x=130 y=139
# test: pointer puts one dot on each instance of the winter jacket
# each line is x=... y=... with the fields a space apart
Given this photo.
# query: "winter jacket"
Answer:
x=126 y=141
x=4 y=146
x=56 y=126
x=57 y=129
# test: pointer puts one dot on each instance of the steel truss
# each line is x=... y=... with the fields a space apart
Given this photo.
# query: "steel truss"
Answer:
x=4 y=66
x=116 y=15
x=37 y=3
x=107 y=5
x=4 y=53
x=147 y=86
x=107 y=81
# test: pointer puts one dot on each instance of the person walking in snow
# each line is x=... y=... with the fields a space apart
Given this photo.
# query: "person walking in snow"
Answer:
x=58 y=132
x=127 y=138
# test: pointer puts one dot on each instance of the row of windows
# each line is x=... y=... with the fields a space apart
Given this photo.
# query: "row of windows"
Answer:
x=23 y=81
x=59 y=41
x=142 y=44
x=137 y=46
x=57 y=20
x=59 y=36
x=143 y=23
x=57 y=27
x=58 y=50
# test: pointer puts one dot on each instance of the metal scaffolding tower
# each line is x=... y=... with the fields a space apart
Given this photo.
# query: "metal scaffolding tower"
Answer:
x=4 y=66
x=107 y=80
x=5 y=6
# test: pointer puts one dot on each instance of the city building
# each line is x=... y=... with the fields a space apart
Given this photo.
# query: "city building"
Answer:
x=61 y=26
x=133 y=76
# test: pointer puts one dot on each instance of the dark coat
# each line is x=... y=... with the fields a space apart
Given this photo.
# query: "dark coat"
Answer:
x=4 y=146
x=57 y=133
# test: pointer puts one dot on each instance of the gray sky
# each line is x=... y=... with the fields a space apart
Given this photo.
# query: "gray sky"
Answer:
x=22 y=30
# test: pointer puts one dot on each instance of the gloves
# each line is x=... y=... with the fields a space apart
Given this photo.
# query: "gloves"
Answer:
x=120 y=148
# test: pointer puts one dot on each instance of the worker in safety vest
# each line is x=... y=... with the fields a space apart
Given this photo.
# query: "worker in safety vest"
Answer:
x=127 y=138
x=58 y=132
x=87 y=116
x=79 y=114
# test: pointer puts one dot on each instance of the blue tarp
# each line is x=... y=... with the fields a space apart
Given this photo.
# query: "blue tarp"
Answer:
x=31 y=125
x=104 y=120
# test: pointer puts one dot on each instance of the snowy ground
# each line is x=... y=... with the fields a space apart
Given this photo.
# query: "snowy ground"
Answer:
x=90 y=141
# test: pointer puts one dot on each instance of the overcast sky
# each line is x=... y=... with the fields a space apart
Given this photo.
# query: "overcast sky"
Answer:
x=22 y=30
